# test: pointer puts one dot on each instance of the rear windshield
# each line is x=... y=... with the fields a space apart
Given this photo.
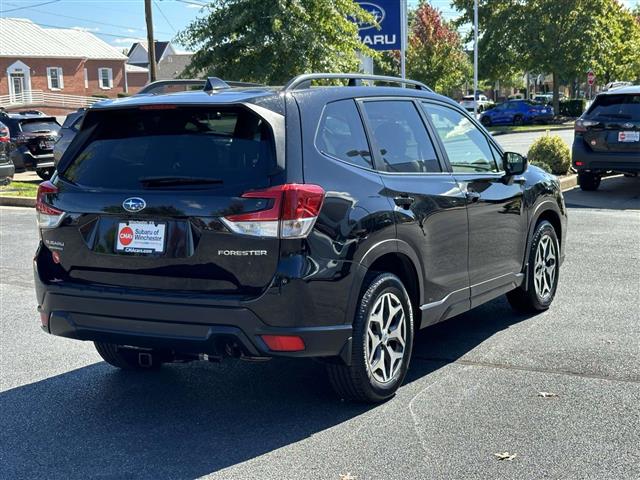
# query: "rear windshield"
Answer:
x=39 y=126
x=220 y=146
x=625 y=107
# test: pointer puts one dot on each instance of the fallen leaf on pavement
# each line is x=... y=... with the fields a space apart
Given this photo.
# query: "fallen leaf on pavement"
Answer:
x=347 y=476
x=547 y=394
x=505 y=456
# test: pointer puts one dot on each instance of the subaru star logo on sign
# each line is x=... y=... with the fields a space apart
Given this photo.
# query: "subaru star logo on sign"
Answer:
x=387 y=13
x=134 y=204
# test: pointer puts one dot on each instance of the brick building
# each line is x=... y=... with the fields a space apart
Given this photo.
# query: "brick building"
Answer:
x=65 y=61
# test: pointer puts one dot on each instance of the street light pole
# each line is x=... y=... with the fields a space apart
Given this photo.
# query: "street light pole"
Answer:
x=475 y=57
x=151 y=48
x=403 y=41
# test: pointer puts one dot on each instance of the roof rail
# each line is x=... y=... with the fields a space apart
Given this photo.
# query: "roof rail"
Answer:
x=355 y=79
x=215 y=83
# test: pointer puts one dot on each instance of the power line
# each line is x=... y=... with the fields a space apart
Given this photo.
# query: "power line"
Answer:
x=28 y=6
x=188 y=2
x=164 y=16
x=66 y=28
x=85 y=19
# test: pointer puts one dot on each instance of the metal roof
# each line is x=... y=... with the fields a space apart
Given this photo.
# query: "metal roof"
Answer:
x=628 y=90
x=20 y=37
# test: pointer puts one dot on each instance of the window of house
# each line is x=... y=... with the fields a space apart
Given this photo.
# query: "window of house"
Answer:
x=105 y=77
x=54 y=78
x=341 y=134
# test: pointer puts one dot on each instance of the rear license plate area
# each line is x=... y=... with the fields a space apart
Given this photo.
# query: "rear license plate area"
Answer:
x=628 y=137
x=146 y=238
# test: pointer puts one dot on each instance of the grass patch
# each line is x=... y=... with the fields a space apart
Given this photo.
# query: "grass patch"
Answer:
x=19 y=189
x=528 y=128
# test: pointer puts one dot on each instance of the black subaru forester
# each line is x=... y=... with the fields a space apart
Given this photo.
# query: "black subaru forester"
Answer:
x=305 y=221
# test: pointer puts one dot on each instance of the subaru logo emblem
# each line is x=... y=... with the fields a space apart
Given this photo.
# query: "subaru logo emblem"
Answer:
x=376 y=11
x=134 y=204
x=628 y=125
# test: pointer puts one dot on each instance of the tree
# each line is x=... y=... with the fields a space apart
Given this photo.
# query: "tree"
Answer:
x=435 y=54
x=270 y=41
x=559 y=37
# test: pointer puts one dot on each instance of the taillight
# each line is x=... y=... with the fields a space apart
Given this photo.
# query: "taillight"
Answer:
x=48 y=216
x=4 y=135
x=293 y=213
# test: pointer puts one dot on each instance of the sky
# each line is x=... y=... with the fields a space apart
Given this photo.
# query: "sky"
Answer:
x=121 y=22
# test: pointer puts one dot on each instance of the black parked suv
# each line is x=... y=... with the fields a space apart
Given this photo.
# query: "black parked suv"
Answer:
x=32 y=137
x=607 y=137
x=304 y=221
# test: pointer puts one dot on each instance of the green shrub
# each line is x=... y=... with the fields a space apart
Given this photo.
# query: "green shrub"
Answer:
x=552 y=151
x=99 y=95
x=123 y=95
x=573 y=108
x=541 y=165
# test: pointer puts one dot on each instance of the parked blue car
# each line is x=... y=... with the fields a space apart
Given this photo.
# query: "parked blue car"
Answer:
x=517 y=112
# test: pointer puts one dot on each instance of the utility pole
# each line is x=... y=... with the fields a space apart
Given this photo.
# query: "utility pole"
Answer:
x=404 y=32
x=148 y=15
x=475 y=57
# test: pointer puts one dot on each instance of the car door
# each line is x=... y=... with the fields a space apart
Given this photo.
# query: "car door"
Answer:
x=497 y=219
x=498 y=114
x=429 y=206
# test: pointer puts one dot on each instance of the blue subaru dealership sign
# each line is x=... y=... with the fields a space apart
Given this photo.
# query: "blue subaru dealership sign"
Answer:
x=388 y=15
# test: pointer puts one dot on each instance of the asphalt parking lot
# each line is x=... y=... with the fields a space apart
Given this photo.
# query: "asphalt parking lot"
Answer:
x=473 y=388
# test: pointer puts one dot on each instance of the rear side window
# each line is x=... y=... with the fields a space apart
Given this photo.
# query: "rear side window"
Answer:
x=37 y=126
x=401 y=137
x=219 y=146
x=341 y=134
x=625 y=107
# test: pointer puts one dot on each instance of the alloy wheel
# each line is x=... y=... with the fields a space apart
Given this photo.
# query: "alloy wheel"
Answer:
x=386 y=338
x=545 y=267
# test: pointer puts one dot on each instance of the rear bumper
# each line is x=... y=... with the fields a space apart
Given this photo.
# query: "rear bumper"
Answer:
x=23 y=160
x=625 y=162
x=6 y=171
x=176 y=323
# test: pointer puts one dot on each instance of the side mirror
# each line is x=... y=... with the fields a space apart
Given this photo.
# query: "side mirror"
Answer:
x=514 y=163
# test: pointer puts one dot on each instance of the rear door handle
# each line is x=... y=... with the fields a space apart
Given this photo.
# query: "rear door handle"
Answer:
x=404 y=201
x=472 y=196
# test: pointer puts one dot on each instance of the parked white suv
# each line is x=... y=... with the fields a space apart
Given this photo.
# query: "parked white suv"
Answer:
x=483 y=103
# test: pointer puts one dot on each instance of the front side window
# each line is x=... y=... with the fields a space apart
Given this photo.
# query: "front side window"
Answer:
x=467 y=148
x=105 y=77
x=54 y=78
x=341 y=134
x=401 y=137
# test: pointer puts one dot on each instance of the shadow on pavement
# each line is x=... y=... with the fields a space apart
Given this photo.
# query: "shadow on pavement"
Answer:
x=186 y=421
x=615 y=193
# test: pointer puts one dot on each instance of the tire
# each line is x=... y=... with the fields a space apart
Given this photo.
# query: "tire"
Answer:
x=539 y=291
x=486 y=121
x=518 y=120
x=45 y=173
x=126 y=358
x=588 y=181
x=364 y=379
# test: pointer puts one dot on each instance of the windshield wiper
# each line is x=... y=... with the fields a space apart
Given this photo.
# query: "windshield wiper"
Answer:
x=173 y=181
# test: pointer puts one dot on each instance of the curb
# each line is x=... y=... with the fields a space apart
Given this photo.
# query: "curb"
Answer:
x=536 y=130
x=17 y=202
x=568 y=182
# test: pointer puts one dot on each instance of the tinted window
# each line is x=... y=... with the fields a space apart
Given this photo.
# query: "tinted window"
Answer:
x=467 y=148
x=233 y=146
x=401 y=137
x=625 y=107
x=341 y=134
x=32 y=126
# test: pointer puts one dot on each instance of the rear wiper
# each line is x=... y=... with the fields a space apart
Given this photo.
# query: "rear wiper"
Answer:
x=171 y=181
